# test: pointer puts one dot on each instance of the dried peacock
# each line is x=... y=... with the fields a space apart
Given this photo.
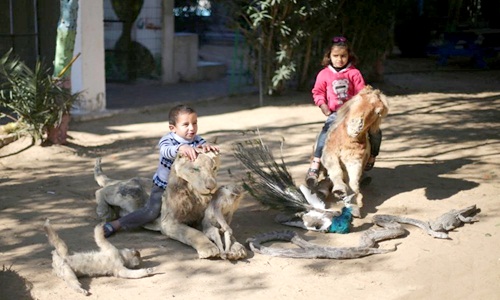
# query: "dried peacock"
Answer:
x=270 y=183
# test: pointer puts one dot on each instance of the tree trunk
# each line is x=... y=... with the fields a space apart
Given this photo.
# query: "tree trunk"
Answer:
x=66 y=34
x=59 y=134
x=65 y=45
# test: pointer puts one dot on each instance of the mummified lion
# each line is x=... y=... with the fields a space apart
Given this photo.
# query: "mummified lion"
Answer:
x=108 y=260
x=189 y=191
x=191 y=188
x=117 y=198
x=347 y=146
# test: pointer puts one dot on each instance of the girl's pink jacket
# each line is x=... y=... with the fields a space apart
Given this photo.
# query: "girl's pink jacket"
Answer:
x=335 y=88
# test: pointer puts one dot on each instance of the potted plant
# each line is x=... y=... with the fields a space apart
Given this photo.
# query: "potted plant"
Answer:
x=34 y=100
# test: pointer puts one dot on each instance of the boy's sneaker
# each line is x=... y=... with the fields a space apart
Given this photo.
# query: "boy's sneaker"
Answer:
x=108 y=230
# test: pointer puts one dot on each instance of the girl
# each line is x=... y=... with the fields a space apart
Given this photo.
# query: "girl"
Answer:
x=336 y=84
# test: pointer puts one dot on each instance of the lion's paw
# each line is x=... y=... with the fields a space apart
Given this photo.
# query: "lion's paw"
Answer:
x=105 y=213
x=237 y=251
x=339 y=192
x=355 y=211
x=208 y=250
x=82 y=291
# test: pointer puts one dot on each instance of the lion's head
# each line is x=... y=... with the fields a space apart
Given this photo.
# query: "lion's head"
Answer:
x=200 y=173
x=364 y=111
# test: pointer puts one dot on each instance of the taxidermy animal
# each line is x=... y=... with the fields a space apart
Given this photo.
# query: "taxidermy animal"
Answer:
x=193 y=185
x=117 y=198
x=271 y=184
x=190 y=189
x=389 y=227
x=347 y=146
x=107 y=261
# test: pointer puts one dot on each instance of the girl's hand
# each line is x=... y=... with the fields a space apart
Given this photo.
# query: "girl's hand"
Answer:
x=325 y=110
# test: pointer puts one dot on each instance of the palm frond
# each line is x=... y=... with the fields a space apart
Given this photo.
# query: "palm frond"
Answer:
x=267 y=180
x=34 y=97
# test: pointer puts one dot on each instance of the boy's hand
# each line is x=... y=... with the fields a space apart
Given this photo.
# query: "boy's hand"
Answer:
x=325 y=110
x=207 y=148
x=191 y=152
x=188 y=151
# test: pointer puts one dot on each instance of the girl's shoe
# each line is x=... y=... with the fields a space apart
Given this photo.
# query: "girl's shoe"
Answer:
x=371 y=162
x=312 y=178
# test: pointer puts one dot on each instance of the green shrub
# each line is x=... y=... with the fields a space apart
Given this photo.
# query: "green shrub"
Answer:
x=32 y=98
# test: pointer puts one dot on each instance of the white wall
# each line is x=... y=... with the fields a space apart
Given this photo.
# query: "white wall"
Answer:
x=147 y=27
x=88 y=71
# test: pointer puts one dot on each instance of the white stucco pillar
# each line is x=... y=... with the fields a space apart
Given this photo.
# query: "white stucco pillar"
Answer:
x=88 y=72
x=167 y=51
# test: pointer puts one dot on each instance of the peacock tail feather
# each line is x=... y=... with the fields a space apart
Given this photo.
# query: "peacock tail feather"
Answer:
x=267 y=180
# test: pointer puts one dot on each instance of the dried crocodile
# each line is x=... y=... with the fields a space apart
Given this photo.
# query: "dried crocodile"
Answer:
x=389 y=228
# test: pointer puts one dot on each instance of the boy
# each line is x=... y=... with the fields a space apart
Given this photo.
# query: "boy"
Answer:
x=183 y=138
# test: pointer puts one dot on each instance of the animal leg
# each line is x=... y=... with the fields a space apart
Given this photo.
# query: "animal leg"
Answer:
x=61 y=268
x=213 y=213
x=101 y=241
x=103 y=209
x=189 y=236
x=64 y=271
x=237 y=250
x=213 y=234
x=336 y=175
x=99 y=176
x=133 y=274
x=468 y=219
x=127 y=257
x=339 y=189
x=355 y=171
x=55 y=240
x=227 y=241
x=324 y=188
x=355 y=211
x=359 y=200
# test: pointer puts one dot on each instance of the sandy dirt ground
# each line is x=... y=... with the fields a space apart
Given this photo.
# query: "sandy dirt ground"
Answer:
x=440 y=151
